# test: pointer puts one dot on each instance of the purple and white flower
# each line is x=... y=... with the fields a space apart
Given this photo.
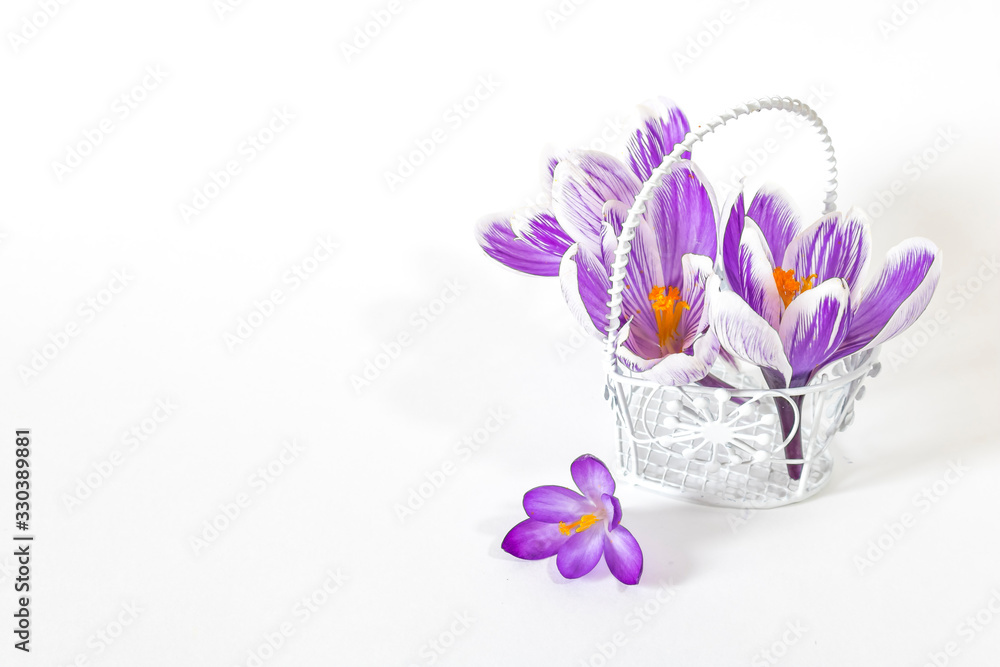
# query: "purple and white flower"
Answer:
x=535 y=240
x=663 y=321
x=801 y=299
x=530 y=241
x=577 y=528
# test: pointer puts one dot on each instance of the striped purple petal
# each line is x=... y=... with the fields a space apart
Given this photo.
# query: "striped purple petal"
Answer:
x=583 y=182
x=551 y=157
x=636 y=353
x=682 y=213
x=498 y=238
x=676 y=369
x=552 y=504
x=731 y=236
x=614 y=213
x=697 y=270
x=814 y=326
x=661 y=126
x=581 y=552
x=838 y=245
x=623 y=555
x=751 y=274
x=643 y=272
x=744 y=333
x=899 y=295
x=773 y=212
x=585 y=284
x=542 y=230
x=640 y=348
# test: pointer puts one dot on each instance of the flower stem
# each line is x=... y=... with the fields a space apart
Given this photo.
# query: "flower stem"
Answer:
x=786 y=413
x=793 y=450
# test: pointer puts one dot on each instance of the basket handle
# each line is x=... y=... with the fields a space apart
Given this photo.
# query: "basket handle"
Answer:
x=646 y=193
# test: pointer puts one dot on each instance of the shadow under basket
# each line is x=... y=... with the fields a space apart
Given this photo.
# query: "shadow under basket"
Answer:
x=727 y=447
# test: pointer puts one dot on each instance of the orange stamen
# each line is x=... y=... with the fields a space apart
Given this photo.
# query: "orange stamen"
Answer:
x=585 y=522
x=668 y=308
x=788 y=286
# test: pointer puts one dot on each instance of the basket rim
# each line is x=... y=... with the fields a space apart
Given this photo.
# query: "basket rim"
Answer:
x=866 y=366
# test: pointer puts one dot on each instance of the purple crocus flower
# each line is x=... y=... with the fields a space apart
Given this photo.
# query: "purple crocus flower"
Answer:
x=534 y=240
x=800 y=297
x=577 y=529
x=813 y=306
x=663 y=321
x=530 y=240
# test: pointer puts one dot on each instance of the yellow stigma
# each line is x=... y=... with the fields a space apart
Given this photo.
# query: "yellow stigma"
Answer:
x=585 y=522
x=668 y=308
x=788 y=286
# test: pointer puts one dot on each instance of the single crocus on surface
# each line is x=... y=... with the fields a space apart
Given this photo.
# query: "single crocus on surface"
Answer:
x=577 y=528
x=800 y=296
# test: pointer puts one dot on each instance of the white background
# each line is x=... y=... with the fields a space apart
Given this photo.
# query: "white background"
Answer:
x=565 y=75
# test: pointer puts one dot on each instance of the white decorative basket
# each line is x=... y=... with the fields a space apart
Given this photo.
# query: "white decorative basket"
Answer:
x=727 y=447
